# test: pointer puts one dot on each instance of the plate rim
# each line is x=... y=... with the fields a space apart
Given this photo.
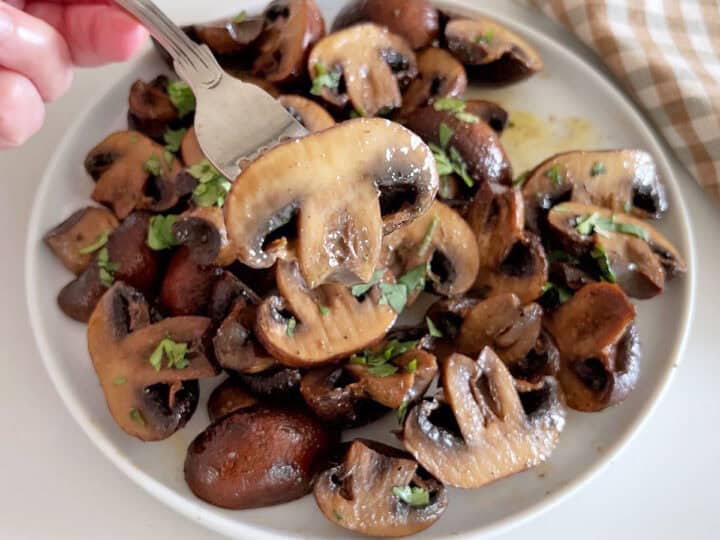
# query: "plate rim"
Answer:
x=233 y=527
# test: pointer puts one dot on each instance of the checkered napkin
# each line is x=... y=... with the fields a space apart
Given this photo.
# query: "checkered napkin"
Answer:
x=667 y=54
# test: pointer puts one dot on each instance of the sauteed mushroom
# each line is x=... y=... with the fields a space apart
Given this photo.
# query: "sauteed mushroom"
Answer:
x=202 y=230
x=228 y=397
x=338 y=201
x=150 y=109
x=148 y=398
x=308 y=113
x=378 y=490
x=363 y=64
x=228 y=37
x=187 y=286
x=190 y=149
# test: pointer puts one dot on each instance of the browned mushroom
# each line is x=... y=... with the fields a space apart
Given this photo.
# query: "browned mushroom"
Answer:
x=465 y=143
x=443 y=242
x=414 y=20
x=378 y=490
x=476 y=431
x=228 y=37
x=439 y=75
x=496 y=54
x=133 y=173
x=363 y=64
x=228 y=397
x=620 y=180
x=332 y=181
x=148 y=398
x=203 y=230
x=75 y=239
x=125 y=257
x=150 y=109
x=257 y=456
x=304 y=328
x=511 y=260
x=190 y=149
x=292 y=27
x=308 y=113
x=276 y=384
x=599 y=347
x=625 y=249
x=187 y=285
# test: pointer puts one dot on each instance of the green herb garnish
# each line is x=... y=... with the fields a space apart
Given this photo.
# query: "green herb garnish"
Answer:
x=362 y=288
x=411 y=366
x=553 y=173
x=603 y=261
x=99 y=242
x=326 y=79
x=520 y=180
x=337 y=515
x=598 y=168
x=393 y=294
x=413 y=496
x=182 y=97
x=324 y=310
x=153 y=166
x=174 y=352
x=460 y=167
x=107 y=268
x=444 y=134
x=401 y=410
x=378 y=362
x=291 y=324
x=602 y=225
x=212 y=187
x=427 y=239
x=118 y=381
x=563 y=294
x=485 y=37
x=160 y=232
x=240 y=17
x=432 y=329
x=173 y=139
x=457 y=108
x=451 y=163
x=382 y=370
x=467 y=117
x=137 y=417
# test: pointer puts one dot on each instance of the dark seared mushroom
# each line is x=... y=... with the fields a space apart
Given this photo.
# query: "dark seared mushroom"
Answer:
x=187 y=286
x=202 y=230
x=304 y=328
x=257 y=456
x=414 y=20
x=620 y=180
x=228 y=37
x=226 y=291
x=126 y=257
x=229 y=396
x=626 y=250
x=74 y=239
x=511 y=260
x=378 y=490
x=308 y=113
x=292 y=27
x=439 y=75
x=275 y=384
x=150 y=109
x=334 y=191
x=496 y=54
x=190 y=149
x=469 y=139
x=149 y=401
x=363 y=64
x=132 y=173
x=599 y=347
x=441 y=240
x=476 y=431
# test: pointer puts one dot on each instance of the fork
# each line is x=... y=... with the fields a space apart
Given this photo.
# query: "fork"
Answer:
x=234 y=120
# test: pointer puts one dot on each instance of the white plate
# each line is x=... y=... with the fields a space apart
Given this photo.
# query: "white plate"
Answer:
x=568 y=88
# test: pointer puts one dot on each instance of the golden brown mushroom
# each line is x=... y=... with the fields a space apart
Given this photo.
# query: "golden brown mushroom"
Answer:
x=308 y=113
x=228 y=37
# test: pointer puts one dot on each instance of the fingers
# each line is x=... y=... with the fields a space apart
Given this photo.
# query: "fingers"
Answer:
x=35 y=49
x=21 y=109
x=95 y=34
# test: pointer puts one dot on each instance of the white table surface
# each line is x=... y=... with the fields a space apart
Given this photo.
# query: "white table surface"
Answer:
x=55 y=484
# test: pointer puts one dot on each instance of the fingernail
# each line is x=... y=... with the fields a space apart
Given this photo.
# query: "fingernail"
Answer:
x=6 y=24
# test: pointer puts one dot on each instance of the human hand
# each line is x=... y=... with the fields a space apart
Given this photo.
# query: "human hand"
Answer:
x=41 y=41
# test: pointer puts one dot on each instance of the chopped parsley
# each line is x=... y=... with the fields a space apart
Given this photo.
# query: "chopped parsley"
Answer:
x=485 y=37
x=379 y=362
x=554 y=174
x=427 y=239
x=456 y=107
x=137 y=417
x=153 y=166
x=326 y=79
x=324 y=310
x=99 y=242
x=451 y=162
x=160 y=234
x=182 y=97
x=603 y=261
x=212 y=187
x=240 y=17
x=382 y=370
x=598 y=168
x=444 y=134
x=363 y=288
x=118 y=381
x=173 y=139
x=520 y=180
x=394 y=294
x=107 y=268
x=174 y=352
x=563 y=293
x=432 y=329
x=602 y=225
x=168 y=157
x=411 y=366
x=401 y=410
x=291 y=324
x=413 y=496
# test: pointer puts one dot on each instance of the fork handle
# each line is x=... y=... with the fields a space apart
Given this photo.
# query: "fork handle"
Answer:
x=194 y=63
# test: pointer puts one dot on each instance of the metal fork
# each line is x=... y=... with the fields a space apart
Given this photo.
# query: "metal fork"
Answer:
x=234 y=120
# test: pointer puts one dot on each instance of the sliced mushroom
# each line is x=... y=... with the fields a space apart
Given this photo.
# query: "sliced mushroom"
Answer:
x=439 y=75
x=599 y=347
x=620 y=180
x=638 y=256
x=226 y=291
x=203 y=230
x=476 y=142
x=228 y=397
x=414 y=20
x=121 y=165
x=308 y=113
x=512 y=260
x=147 y=402
x=292 y=27
x=365 y=492
x=441 y=240
x=335 y=181
x=130 y=260
x=257 y=456
x=74 y=239
x=479 y=432
x=150 y=109
x=368 y=63
x=190 y=149
x=496 y=54
x=275 y=384
x=294 y=329
x=228 y=37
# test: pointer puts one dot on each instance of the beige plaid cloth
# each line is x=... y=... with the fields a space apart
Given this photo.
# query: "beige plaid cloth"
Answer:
x=667 y=54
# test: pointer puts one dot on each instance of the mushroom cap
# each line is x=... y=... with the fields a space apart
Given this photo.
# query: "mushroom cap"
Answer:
x=118 y=164
x=440 y=239
x=229 y=396
x=202 y=230
x=308 y=113
x=187 y=286
x=350 y=324
x=337 y=199
x=292 y=27
x=416 y=21
x=226 y=36
x=358 y=494
x=620 y=180
x=372 y=61
x=150 y=109
x=479 y=432
x=497 y=54
x=145 y=402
